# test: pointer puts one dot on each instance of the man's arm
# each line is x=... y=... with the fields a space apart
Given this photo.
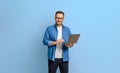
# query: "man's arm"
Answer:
x=69 y=44
x=46 y=38
x=57 y=42
x=48 y=42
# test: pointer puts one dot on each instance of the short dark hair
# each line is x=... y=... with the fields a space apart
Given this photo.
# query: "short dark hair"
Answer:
x=59 y=12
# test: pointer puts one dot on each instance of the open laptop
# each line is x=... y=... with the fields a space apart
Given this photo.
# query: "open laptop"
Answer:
x=73 y=38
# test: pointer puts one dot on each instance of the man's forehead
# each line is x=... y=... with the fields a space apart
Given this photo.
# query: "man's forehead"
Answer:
x=60 y=14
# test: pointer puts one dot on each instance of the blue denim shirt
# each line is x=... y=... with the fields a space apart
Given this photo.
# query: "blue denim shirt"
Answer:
x=50 y=35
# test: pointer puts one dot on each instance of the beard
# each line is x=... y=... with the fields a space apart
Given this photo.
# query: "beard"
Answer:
x=58 y=23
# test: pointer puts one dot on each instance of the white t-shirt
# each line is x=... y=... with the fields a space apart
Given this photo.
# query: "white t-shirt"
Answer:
x=58 y=53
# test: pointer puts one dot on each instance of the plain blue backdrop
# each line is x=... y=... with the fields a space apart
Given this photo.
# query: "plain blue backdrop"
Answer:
x=23 y=23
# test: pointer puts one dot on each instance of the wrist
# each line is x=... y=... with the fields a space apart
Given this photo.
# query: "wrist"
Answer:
x=56 y=42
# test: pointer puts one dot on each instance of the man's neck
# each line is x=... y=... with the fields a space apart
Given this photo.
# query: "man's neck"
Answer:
x=59 y=26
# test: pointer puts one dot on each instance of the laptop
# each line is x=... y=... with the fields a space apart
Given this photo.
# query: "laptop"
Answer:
x=73 y=38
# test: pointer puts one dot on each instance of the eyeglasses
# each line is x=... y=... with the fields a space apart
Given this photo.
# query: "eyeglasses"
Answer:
x=59 y=18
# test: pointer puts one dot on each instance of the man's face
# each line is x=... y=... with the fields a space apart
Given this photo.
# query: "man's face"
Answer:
x=59 y=19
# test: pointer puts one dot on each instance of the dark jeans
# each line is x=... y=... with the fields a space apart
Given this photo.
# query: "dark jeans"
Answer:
x=53 y=65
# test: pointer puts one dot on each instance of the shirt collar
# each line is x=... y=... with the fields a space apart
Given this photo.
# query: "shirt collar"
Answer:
x=56 y=26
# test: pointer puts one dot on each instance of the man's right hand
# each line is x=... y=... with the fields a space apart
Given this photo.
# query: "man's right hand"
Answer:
x=59 y=41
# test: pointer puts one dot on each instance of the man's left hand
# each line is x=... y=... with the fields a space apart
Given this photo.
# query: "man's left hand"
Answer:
x=69 y=45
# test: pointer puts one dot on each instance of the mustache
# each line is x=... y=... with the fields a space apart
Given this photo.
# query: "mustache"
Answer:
x=59 y=21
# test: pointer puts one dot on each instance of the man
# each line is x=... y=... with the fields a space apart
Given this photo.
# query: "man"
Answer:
x=56 y=37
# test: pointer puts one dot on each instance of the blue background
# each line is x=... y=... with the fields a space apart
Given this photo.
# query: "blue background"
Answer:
x=23 y=23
